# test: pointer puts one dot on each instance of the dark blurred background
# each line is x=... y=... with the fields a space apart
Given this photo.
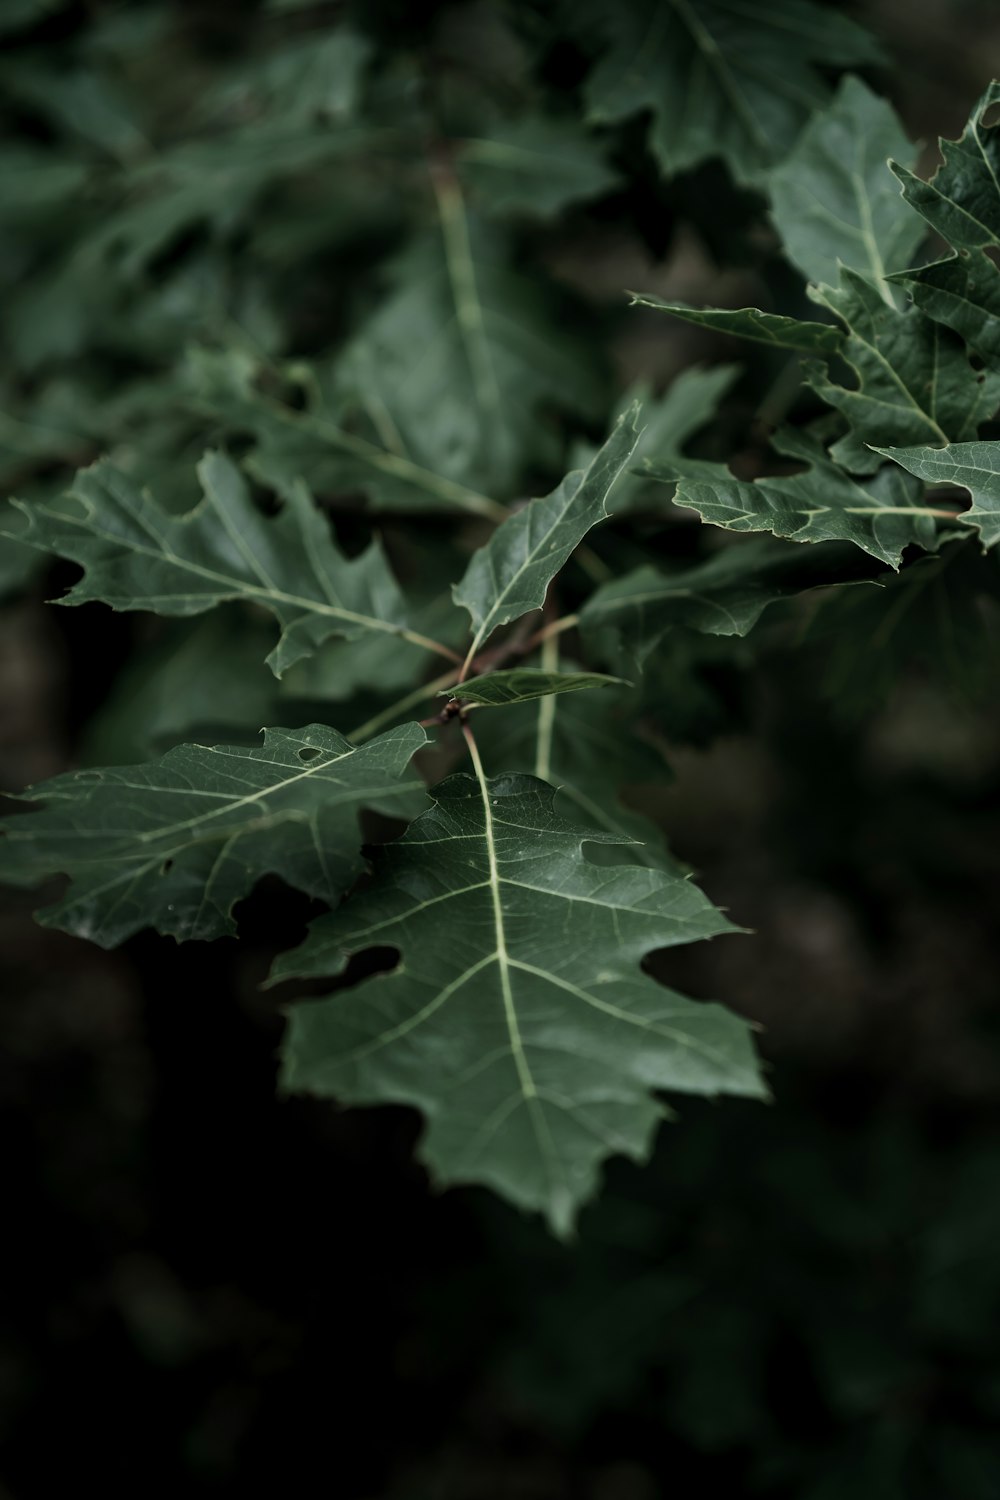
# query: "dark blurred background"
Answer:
x=211 y=1291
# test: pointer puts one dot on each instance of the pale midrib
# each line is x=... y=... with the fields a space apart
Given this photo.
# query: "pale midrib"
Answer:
x=645 y=1023
x=502 y=956
x=867 y=228
x=524 y=1077
x=897 y=380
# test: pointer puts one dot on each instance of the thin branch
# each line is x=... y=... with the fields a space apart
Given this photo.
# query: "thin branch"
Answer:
x=426 y=690
x=470 y=740
x=429 y=645
x=546 y=710
x=555 y=627
x=594 y=566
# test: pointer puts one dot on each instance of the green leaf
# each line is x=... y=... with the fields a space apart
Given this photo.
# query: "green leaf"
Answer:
x=520 y=684
x=535 y=165
x=510 y=574
x=464 y=356
x=914 y=380
x=627 y=618
x=974 y=466
x=519 y=1020
x=175 y=844
x=591 y=747
x=962 y=292
x=319 y=443
x=750 y=323
x=138 y=556
x=835 y=202
x=721 y=77
x=821 y=503
x=962 y=199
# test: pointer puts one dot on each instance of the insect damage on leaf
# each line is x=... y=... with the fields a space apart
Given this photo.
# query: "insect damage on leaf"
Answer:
x=531 y=1038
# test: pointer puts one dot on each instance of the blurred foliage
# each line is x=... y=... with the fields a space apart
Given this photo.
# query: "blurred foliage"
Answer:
x=228 y=226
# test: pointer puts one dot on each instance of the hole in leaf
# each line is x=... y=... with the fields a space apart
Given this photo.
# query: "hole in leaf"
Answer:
x=166 y=867
x=990 y=117
x=309 y=752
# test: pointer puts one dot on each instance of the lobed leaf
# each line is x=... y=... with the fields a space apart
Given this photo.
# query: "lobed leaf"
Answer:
x=962 y=199
x=136 y=555
x=626 y=619
x=591 y=747
x=320 y=443
x=721 y=77
x=963 y=293
x=821 y=503
x=519 y=1020
x=974 y=466
x=914 y=379
x=176 y=843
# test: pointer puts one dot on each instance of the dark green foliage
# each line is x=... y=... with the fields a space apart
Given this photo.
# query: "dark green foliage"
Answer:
x=326 y=407
x=334 y=265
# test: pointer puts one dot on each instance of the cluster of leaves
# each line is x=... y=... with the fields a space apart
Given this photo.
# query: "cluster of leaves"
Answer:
x=172 y=248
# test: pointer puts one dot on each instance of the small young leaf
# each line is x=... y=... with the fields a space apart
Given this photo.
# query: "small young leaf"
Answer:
x=750 y=323
x=520 y=684
x=519 y=1021
x=962 y=292
x=138 y=556
x=175 y=844
x=510 y=574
